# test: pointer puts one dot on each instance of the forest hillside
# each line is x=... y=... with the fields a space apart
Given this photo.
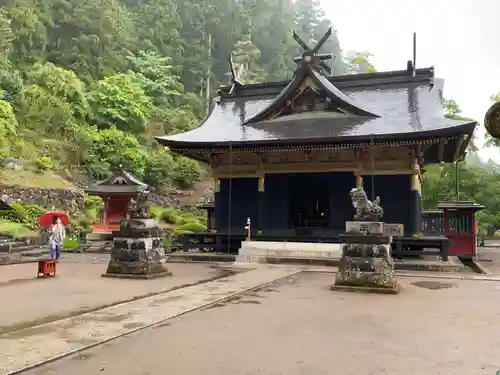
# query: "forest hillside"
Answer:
x=86 y=84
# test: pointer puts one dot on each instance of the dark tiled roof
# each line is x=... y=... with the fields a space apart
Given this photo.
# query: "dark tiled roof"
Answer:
x=408 y=107
x=114 y=189
x=120 y=182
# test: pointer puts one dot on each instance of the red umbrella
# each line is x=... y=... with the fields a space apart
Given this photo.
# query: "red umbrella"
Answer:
x=49 y=218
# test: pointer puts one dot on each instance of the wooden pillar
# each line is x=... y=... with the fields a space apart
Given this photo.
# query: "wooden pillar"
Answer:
x=104 y=217
x=216 y=185
x=261 y=207
x=416 y=199
x=214 y=225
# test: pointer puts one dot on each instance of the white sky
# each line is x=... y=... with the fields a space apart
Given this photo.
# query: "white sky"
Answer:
x=460 y=38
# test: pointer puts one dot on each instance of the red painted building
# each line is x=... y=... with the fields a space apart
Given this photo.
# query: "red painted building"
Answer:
x=116 y=192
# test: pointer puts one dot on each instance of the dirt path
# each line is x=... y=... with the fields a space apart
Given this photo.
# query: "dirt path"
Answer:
x=300 y=327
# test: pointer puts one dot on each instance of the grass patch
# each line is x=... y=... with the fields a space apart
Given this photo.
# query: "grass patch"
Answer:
x=15 y=229
x=32 y=179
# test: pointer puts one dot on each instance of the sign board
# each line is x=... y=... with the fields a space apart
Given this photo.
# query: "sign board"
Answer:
x=396 y=230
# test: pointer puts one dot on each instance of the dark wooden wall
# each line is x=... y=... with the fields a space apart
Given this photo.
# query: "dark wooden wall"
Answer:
x=397 y=199
x=241 y=195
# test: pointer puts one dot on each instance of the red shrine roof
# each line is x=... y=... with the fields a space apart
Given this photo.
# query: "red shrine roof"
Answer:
x=120 y=182
x=398 y=107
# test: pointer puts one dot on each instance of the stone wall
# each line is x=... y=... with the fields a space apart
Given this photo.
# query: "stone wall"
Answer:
x=68 y=200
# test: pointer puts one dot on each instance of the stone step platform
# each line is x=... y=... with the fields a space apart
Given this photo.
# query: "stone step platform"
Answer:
x=260 y=251
x=326 y=254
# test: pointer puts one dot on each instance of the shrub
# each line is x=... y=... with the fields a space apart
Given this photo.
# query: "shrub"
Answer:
x=155 y=212
x=192 y=226
x=171 y=241
x=71 y=243
x=187 y=173
x=15 y=229
x=44 y=163
x=170 y=216
x=26 y=214
x=159 y=169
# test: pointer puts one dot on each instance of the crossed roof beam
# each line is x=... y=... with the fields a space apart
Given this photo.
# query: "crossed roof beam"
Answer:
x=311 y=55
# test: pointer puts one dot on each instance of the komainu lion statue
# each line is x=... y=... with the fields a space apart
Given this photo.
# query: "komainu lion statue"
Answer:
x=366 y=210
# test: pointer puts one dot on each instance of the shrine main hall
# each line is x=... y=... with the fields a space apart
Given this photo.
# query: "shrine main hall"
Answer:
x=287 y=154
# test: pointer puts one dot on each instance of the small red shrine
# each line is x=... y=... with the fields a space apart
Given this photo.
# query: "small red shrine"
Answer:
x=116 y=192
x=459 y=226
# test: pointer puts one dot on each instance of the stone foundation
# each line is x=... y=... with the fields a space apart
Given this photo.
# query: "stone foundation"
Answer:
x=137 y=251
x=366 y=263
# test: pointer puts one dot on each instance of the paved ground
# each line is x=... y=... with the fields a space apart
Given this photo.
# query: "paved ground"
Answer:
x=298 y=326
x=492 y=254
x=32 y=346
x=77 y=288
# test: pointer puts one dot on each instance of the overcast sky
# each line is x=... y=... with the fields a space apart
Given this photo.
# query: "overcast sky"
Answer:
x=460 y=38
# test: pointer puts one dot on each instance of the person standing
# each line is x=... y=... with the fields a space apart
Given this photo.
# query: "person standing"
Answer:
x=57 y=234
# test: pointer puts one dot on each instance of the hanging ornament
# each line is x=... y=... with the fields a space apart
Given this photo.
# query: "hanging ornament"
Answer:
x=492 y=121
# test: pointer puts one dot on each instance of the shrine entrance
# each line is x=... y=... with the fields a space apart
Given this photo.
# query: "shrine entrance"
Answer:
x=309 y=202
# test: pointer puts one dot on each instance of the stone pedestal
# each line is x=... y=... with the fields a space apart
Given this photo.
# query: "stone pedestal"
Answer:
x=137 y=251
x=366 y=264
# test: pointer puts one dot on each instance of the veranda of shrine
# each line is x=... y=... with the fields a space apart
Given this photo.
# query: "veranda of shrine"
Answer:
x=286 y=154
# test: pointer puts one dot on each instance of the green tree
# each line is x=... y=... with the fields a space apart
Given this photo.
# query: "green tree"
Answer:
x=11 y=84
x=187 y=172
x=8 y=125
x=247 y=54
x=6 y=36
x=156 y=76
x=61 y=83
x=47 y=113
x=159 y=169
x=29 y=35
x=359 y=62
x=453 y=111
x=89 y=37
x=111 y=148
x=120 y=101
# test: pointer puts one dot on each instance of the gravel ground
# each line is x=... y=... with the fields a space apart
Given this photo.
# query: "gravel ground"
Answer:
x=299 y=326
x=78 y=287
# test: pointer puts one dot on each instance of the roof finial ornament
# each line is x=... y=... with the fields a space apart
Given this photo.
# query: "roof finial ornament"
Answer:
x=310 y=56
x=236 y=76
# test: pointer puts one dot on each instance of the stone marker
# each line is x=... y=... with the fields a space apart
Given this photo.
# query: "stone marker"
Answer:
x=366 y=264
x=137 y=251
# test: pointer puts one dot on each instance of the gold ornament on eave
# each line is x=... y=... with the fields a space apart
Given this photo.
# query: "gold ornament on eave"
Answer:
x=492 y=120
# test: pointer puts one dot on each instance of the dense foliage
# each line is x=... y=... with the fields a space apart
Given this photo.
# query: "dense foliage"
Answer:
x=85 y=85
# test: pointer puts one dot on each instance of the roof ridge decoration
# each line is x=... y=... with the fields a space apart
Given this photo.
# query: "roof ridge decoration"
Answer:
x=310 y=75
x=236 y=75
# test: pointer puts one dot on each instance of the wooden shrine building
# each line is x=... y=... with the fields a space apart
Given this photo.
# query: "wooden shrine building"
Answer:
x=116 y=192
x=287 y=154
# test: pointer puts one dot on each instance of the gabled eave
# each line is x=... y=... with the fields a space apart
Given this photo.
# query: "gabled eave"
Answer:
x=321 y=83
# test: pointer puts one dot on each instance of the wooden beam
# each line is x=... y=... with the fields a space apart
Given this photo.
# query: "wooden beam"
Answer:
x=460 y=142
x=248 y=174
x=441 y=146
